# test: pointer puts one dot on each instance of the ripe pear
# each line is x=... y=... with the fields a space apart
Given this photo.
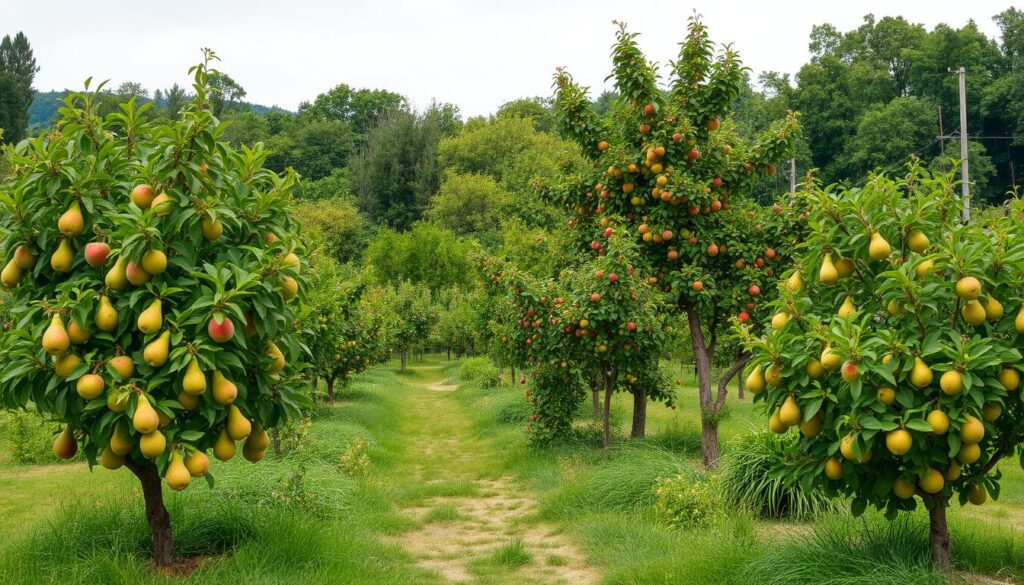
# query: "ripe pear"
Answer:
x=830 y=360
x=921 y=375
x=55 y=338
x=136 y=274
x=142 y=196
x=289 y=288
x=188 y=401
x=893 y=308
x=755 y=381
x=789 y=412
x=153 y=445
x=212 y=230
x=969 y=453
x=224 y=449
x=775 y=423
x=11 y=275
x=886 y=395
x=258 y=439
x=24 y=258
x=162 y=204
x=63 y=258
x=774 y=376
x=238 y=426
x=991 y=411
x=845 y=267
x=953 y=471
x=194 y=381
x=152 y=319
x=224 y=391
x=197 y=463
x=96 y=254
x=290 y=259
x=71 y=223
x=77 y=333
x=828 y=273
x=177 y=476
x=972 y=431
x=106 y=315
x=977 y=494
x=156 y=351
x=252 y=455
x=925 y=268
x=123 y=365
x=811 y=427
x=796 y=283
x=968 y=288
x=903 y=488
x=63 y=364
x=993 y=309
x=918 y=242
x=878 y=248
x=779 y=320
x=834 y=468
x=146 y=420
x=154 y=262
x=973 y=312
x=1009 y=378
x=938 y=421
x=848 y=309
x=899 y=442
x=117 y=277
x=951 y=382
x=65 y=446
x=111 y=460
x=250 y=326
x=274 y=353
x=932 y=482
x=90 y=386
x=121 y=441
x=1018 y=323
x=164 y=419
x=814 y=369
x=846 y=448
x=117 y=401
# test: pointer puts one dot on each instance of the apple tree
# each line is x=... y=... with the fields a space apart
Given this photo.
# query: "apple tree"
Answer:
x=152 y=279
x=673 y=164
x=895 y=349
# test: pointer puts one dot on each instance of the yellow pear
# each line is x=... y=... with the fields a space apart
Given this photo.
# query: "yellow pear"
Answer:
x=153 y=445
x=152 y=319
x=899 y=442
x=156 y=351
x=123 y=365
x=90 y=386
x=886 y=395
x=796 y=283
x=925 y=268
x=846 y=448
x=969 y=453
x=71 y=223
x=918 y=242
x=755 y=381
x=973 y=312
x=775 y=424
x=162 y=204
x=274 y=353
x=921 y=375
x=121 y=441
x=903 y=488
x=977 y=494
x=991 y=411
x=1018 y=323
x=251 y=454
x=814 y=369
x=774 y=376
x=197 y=463
x=106 y=315
x=224 y=449
x=848 y=309
x=11 y=275
x=968 y=288
x=812 y=427
x=290 y=259
x=289 y=288
x=830 y=360
x=111 y=460
x=845 y=267
x=154 y=262
x=932 y=482
x=63 y=258
x=258 y=439
x=188 y=401
x=224 y=391
x=77 y=333
x=993 y=309
x=951 y=382
x=117 y=401
x=972 y=431
x=164 y=419
x=1009 y=378
x=789 y=412
x=194 y=381
x=953 y=471
x=239 y=427
x=65 y=446
x=212 y=230
x=177 y=476
x=780 y=319
x=834 y=468
x=878 y=248
x=893 y=308
x=938 y=421
x=828 y=273
x=116 y=277
x=55 y=338
x=146 y=420
x=65 y=363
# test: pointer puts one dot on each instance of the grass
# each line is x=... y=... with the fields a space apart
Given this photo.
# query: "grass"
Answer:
x=511 y=554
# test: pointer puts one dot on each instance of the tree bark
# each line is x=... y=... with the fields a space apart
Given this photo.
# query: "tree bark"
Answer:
x=741 y=385
x=313 y=382
x=595 y=398
x=449 y=353
x=330 y=389
x=606 y=430
x=639 y=413
x=277 y=442
x=938 y=534
x=702 y=355
x=513 y=369
x=405 y=359
x=156 y=513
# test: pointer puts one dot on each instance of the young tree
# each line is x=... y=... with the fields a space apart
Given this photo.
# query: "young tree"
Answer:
x=672 y=165
x=135 y=250
x=416 y=316
x=893 y=352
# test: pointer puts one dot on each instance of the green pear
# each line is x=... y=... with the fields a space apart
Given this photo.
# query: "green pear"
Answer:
x=117 y=278
x=156 y=351
x=11 y=275
x=63 y=258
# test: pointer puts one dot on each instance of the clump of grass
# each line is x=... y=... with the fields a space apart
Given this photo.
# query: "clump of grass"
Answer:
x=512 y=554
x=556 y=561
x=444 y=514
x=752 y=479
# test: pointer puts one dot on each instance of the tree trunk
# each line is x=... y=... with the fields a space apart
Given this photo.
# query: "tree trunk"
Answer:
x=405 y=359
x=449 y=353
x=513 y=369
x=156 y=513
x=938 y=535
x=330 y=389
x=595 y=396
x=606 y=429
x=709 y=449
x=639 y=413
x=741 y=386
x=277 y=442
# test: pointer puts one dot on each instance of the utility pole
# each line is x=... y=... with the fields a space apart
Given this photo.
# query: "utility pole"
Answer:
x=942 y=136
x=965 y=180
x=792 y=175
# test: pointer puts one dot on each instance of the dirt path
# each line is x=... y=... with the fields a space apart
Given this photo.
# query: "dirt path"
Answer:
x=475 y=524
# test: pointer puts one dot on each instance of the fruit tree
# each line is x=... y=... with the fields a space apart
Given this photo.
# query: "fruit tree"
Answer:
x=898 y=354
x=153 y=280
x=675 y=167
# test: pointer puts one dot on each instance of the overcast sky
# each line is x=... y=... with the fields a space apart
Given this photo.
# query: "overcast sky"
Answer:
x=474 y=54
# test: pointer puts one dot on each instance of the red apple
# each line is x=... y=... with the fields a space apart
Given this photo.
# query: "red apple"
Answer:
x=613 y=277
x=96 y=253
x=595 y=297
x=717 y=182
x=631 y=326
x=694 y=154
x=698 y=286
x=744 y=317
x=754 y=290
x=221 y=331
x=608 y=232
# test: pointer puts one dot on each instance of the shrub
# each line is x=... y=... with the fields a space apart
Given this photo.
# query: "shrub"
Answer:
x=751 y=479
x=480 y=370
x=30 y=438
x=686 y=502
x=355 y=461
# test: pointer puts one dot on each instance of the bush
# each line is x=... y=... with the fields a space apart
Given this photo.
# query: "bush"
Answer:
x=31 y=438
x=751 y=478
x=480 y=370
x=355 y=461
x=686 y=502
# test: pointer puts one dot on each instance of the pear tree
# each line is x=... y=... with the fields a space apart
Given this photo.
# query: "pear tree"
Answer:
x=153 y=277
x=673 y=164
x=898 y=359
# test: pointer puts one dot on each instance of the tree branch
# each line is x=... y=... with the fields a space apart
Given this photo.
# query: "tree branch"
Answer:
x=723 y=383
